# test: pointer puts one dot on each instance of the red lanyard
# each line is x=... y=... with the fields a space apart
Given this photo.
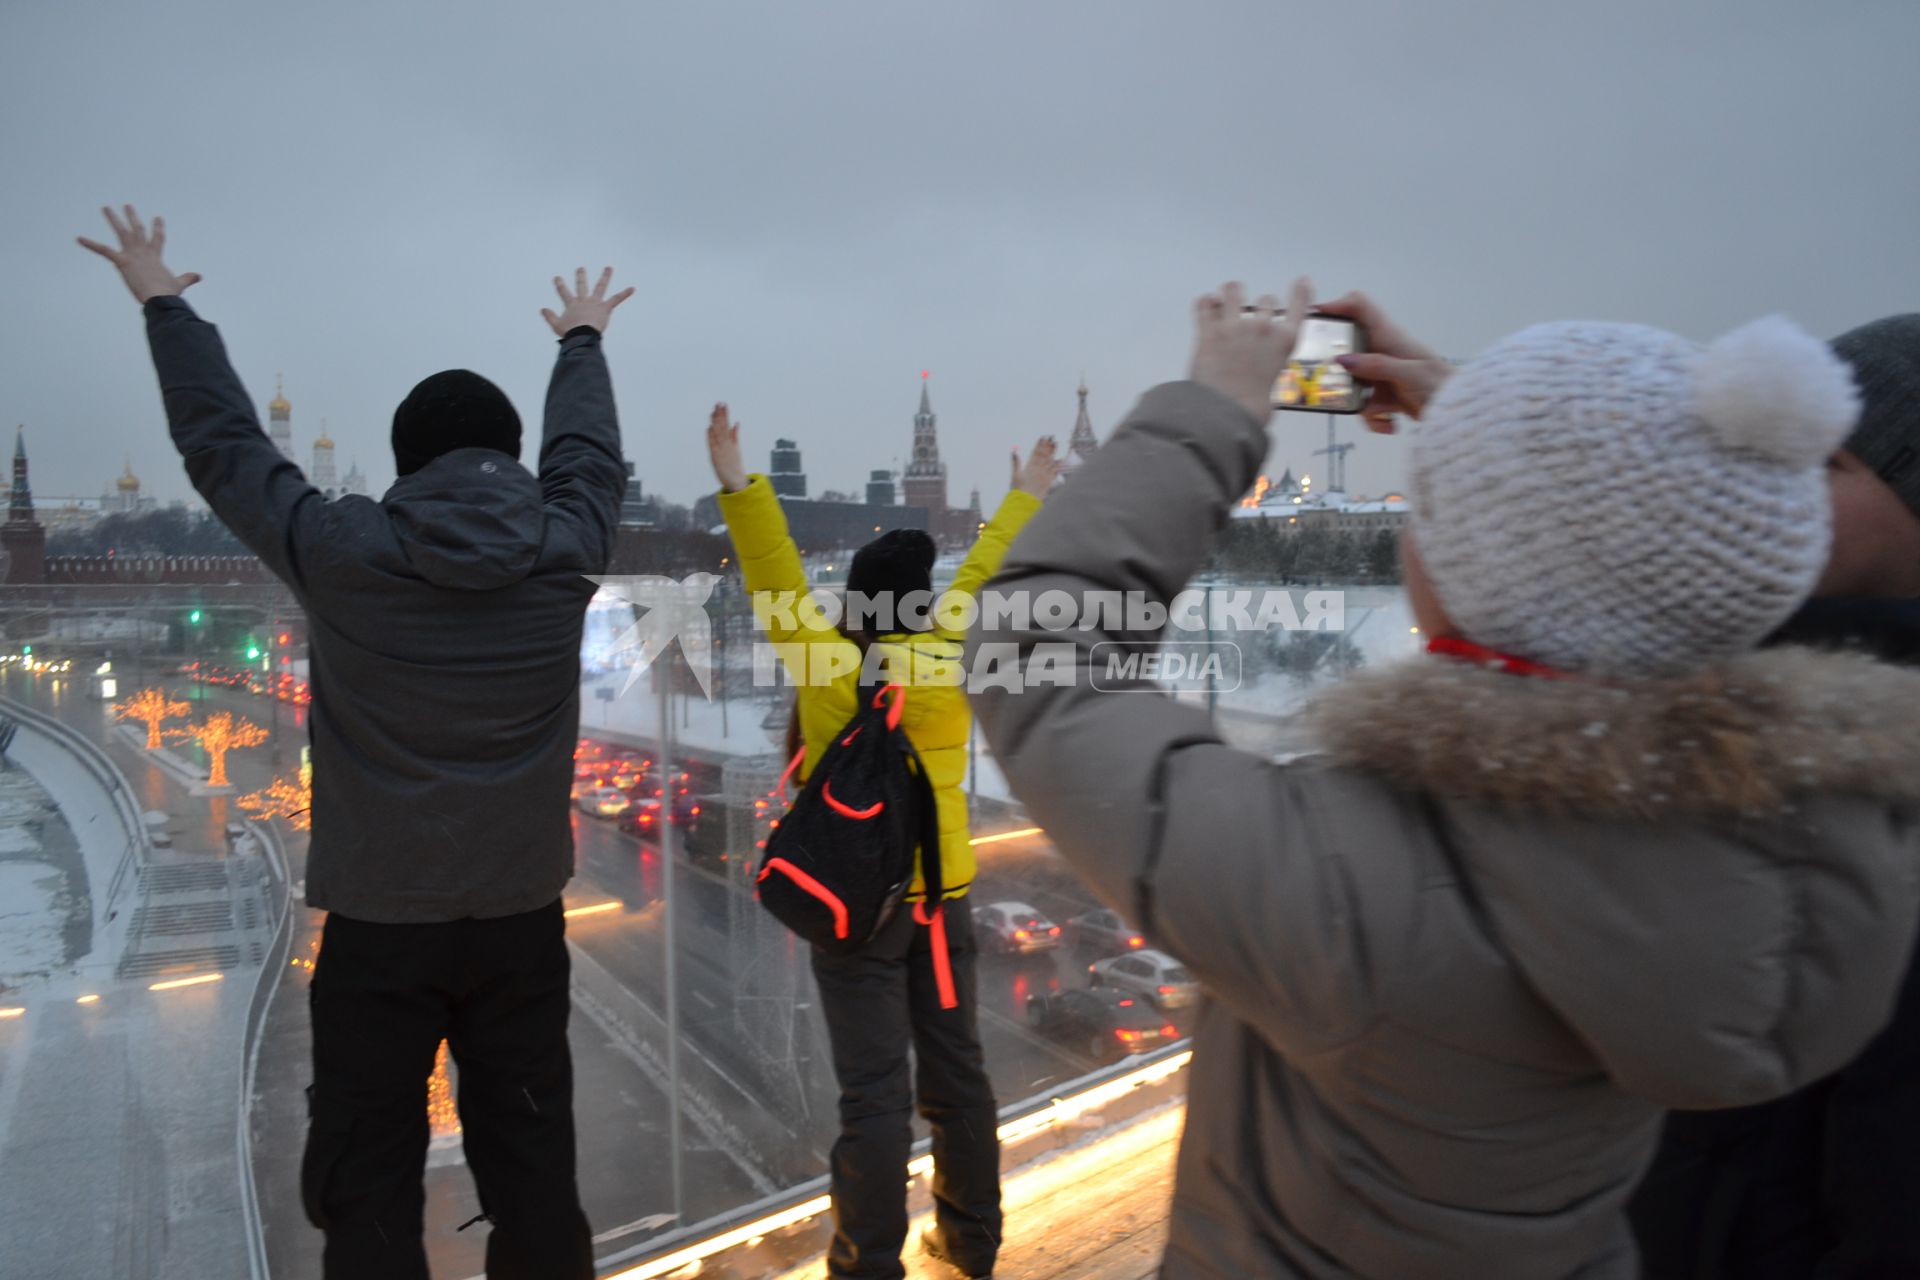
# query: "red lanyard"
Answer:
x=1467 y=650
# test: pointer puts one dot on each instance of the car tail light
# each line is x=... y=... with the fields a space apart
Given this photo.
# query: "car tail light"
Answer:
x=1136 y=941
x=1020 y=934
x=1167 y=991
x=1055 y=930
x=696 y=811
x=1126 y=1035
x=1126 y=1004
x=1170 y=1031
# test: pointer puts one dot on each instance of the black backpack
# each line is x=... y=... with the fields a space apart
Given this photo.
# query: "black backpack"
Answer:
x=839 y=864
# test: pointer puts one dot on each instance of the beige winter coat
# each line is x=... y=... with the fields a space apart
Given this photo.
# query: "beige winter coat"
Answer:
x=1459 y=965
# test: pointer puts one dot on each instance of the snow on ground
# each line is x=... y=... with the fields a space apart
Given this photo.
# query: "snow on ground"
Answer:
x=95 y=821
x=32 y=935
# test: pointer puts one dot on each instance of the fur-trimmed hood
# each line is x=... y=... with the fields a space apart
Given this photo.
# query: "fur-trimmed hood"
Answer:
x=1744 y=739
x=1699 y=874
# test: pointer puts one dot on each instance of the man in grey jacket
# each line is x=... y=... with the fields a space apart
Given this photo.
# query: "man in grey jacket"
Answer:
x=446 y=623
x=1594 y=859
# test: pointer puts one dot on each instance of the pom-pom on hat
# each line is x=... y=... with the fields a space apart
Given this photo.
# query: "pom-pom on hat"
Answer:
x=1615 y=499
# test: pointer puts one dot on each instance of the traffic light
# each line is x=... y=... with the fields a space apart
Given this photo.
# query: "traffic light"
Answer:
x=286 y=637
x=26 y=651
x=194 y=617
x=253 y=653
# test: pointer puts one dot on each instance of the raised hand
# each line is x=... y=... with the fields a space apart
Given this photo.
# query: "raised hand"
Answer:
x=723 y=450
x=139 y=256
x=1042 y=468
x=1240 y=352
x=579 y=307
x=1403 y=373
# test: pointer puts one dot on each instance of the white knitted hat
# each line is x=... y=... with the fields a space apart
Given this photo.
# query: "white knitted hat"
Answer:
x=1616 y=499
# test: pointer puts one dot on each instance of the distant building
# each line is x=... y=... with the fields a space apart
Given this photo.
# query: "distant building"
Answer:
x=1298 y=510
x=925 y=482
x=832 y=521
x=123 y=498
x=785 y=473
x=151 y=570
x=280 y=420
x=355 y=483
x=64 y=515
x=321 y=475
x=636 y=509
x=23 y=538
x=1082 y=444
x=831 y=526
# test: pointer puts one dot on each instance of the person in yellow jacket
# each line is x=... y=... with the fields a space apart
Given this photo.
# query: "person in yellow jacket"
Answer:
x=886 y=997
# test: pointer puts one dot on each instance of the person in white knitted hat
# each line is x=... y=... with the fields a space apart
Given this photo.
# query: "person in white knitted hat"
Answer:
x=1595 y=857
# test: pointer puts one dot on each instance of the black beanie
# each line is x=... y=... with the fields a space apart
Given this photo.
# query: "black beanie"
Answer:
x=1885 y=356
x=452 y=410
x=894 y=564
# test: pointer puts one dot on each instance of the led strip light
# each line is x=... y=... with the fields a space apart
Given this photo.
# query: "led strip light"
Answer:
x=1062 y=1111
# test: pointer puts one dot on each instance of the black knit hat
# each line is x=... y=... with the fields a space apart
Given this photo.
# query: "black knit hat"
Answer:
x=893 y=565
x=452 y=410
x=1885 y=356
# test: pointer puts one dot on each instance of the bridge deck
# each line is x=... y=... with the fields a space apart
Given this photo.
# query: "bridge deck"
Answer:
x=1093 y=1212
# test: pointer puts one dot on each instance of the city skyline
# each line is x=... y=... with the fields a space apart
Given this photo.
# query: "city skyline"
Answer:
x=1008 y=220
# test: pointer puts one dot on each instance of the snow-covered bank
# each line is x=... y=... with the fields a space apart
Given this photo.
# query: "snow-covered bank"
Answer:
x=98 y=808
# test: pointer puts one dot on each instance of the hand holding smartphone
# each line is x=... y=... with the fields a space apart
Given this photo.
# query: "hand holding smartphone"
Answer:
x=1314 y=381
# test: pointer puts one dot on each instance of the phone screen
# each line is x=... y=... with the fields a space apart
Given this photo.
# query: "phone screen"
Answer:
x=1312 y=380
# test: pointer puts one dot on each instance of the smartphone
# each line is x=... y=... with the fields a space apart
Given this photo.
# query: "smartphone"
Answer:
x=1314 y=381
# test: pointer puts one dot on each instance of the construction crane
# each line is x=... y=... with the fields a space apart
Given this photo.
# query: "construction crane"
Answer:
x=1336 y=459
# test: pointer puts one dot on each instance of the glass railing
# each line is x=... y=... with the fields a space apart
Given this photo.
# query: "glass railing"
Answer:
x=154 y=952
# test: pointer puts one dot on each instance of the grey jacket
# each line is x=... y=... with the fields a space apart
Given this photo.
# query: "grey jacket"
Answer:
x=1459 y=965
x=445 y=622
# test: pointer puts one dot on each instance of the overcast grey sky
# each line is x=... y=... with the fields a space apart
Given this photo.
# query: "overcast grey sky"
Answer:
x=817 y=200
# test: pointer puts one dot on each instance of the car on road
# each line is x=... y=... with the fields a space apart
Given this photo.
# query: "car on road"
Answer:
x=1105 y=1023
x=642 y=815
x=1157 y=976
x=1014 y=928
x=1103 y=933
x=604 y=802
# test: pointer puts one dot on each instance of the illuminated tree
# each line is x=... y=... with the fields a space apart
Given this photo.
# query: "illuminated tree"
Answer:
x=220 y=733
x=443 y=1116
x=153 y=708
x=283 y=799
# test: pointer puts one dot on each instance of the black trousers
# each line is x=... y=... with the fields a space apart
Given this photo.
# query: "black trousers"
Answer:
x=383 y=996
x=877 y=1002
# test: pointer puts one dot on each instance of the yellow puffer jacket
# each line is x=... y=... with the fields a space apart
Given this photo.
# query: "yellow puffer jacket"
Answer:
x=937 y=719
